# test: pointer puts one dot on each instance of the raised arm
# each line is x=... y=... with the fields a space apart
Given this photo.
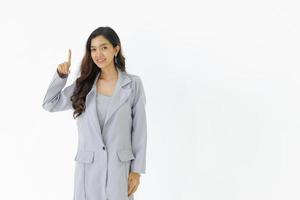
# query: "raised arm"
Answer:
x=57 y=98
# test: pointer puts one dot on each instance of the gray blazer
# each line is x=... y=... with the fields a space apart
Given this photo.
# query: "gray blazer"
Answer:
x=104 y=159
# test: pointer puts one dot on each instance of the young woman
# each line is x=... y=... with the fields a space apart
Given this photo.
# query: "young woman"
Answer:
x=109 y=108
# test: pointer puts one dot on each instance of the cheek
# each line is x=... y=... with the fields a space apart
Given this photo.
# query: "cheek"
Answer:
x=106 y=54
x=93 y=56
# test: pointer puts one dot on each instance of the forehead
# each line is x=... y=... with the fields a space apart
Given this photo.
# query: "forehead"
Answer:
x=99 y=41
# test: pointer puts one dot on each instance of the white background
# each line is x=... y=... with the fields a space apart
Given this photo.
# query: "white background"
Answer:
x=222 y=86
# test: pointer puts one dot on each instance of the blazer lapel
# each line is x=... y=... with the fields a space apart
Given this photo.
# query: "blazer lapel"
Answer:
x=120 y=95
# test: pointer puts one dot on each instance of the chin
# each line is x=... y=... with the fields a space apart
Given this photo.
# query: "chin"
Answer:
x=101 y=66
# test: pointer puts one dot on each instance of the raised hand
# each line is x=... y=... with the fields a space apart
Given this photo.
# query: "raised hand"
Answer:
x=64 y=68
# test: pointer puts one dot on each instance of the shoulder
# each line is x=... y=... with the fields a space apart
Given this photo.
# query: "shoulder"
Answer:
x=135 y=79
x=138 y=88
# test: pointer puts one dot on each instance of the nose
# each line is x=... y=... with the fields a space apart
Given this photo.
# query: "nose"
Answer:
x=98 y=54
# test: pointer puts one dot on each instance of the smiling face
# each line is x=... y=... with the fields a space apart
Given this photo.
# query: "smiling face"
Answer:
x=102 y=52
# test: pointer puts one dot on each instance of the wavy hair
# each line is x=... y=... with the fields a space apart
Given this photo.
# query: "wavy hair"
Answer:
x=89 y=70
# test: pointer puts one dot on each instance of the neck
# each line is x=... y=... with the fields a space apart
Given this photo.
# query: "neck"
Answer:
x=109 y=73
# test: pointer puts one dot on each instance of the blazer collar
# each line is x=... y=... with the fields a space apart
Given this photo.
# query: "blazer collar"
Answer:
x=123 y=79
x=121 y=93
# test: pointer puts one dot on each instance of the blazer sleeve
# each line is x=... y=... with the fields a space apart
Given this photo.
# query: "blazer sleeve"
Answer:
x=139 y=128
x=57 y=98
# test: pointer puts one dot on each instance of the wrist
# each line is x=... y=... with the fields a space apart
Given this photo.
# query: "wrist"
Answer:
x=61 y=75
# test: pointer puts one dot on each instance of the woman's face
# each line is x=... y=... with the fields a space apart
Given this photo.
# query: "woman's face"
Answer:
x=102 y=52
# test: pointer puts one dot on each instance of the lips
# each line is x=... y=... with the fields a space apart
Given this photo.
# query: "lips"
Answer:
x=100 y=60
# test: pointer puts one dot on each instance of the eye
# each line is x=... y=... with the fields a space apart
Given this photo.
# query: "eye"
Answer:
x=104 y=47
x=92 y=49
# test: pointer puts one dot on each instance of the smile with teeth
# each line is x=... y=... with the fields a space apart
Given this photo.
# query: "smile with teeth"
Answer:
x=100 y=60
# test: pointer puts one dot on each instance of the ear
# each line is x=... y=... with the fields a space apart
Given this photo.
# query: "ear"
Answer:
x=117 y=49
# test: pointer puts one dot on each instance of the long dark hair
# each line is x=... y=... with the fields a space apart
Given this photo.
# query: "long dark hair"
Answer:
x=89 y=70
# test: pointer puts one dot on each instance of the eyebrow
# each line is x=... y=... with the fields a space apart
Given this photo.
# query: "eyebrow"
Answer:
x=100 y=45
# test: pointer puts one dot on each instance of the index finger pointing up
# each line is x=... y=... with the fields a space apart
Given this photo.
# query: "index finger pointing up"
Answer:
x=69 y=56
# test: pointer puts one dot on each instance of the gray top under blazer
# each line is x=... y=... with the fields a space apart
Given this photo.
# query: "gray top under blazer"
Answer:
x=102 y=104
x=106 y=155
